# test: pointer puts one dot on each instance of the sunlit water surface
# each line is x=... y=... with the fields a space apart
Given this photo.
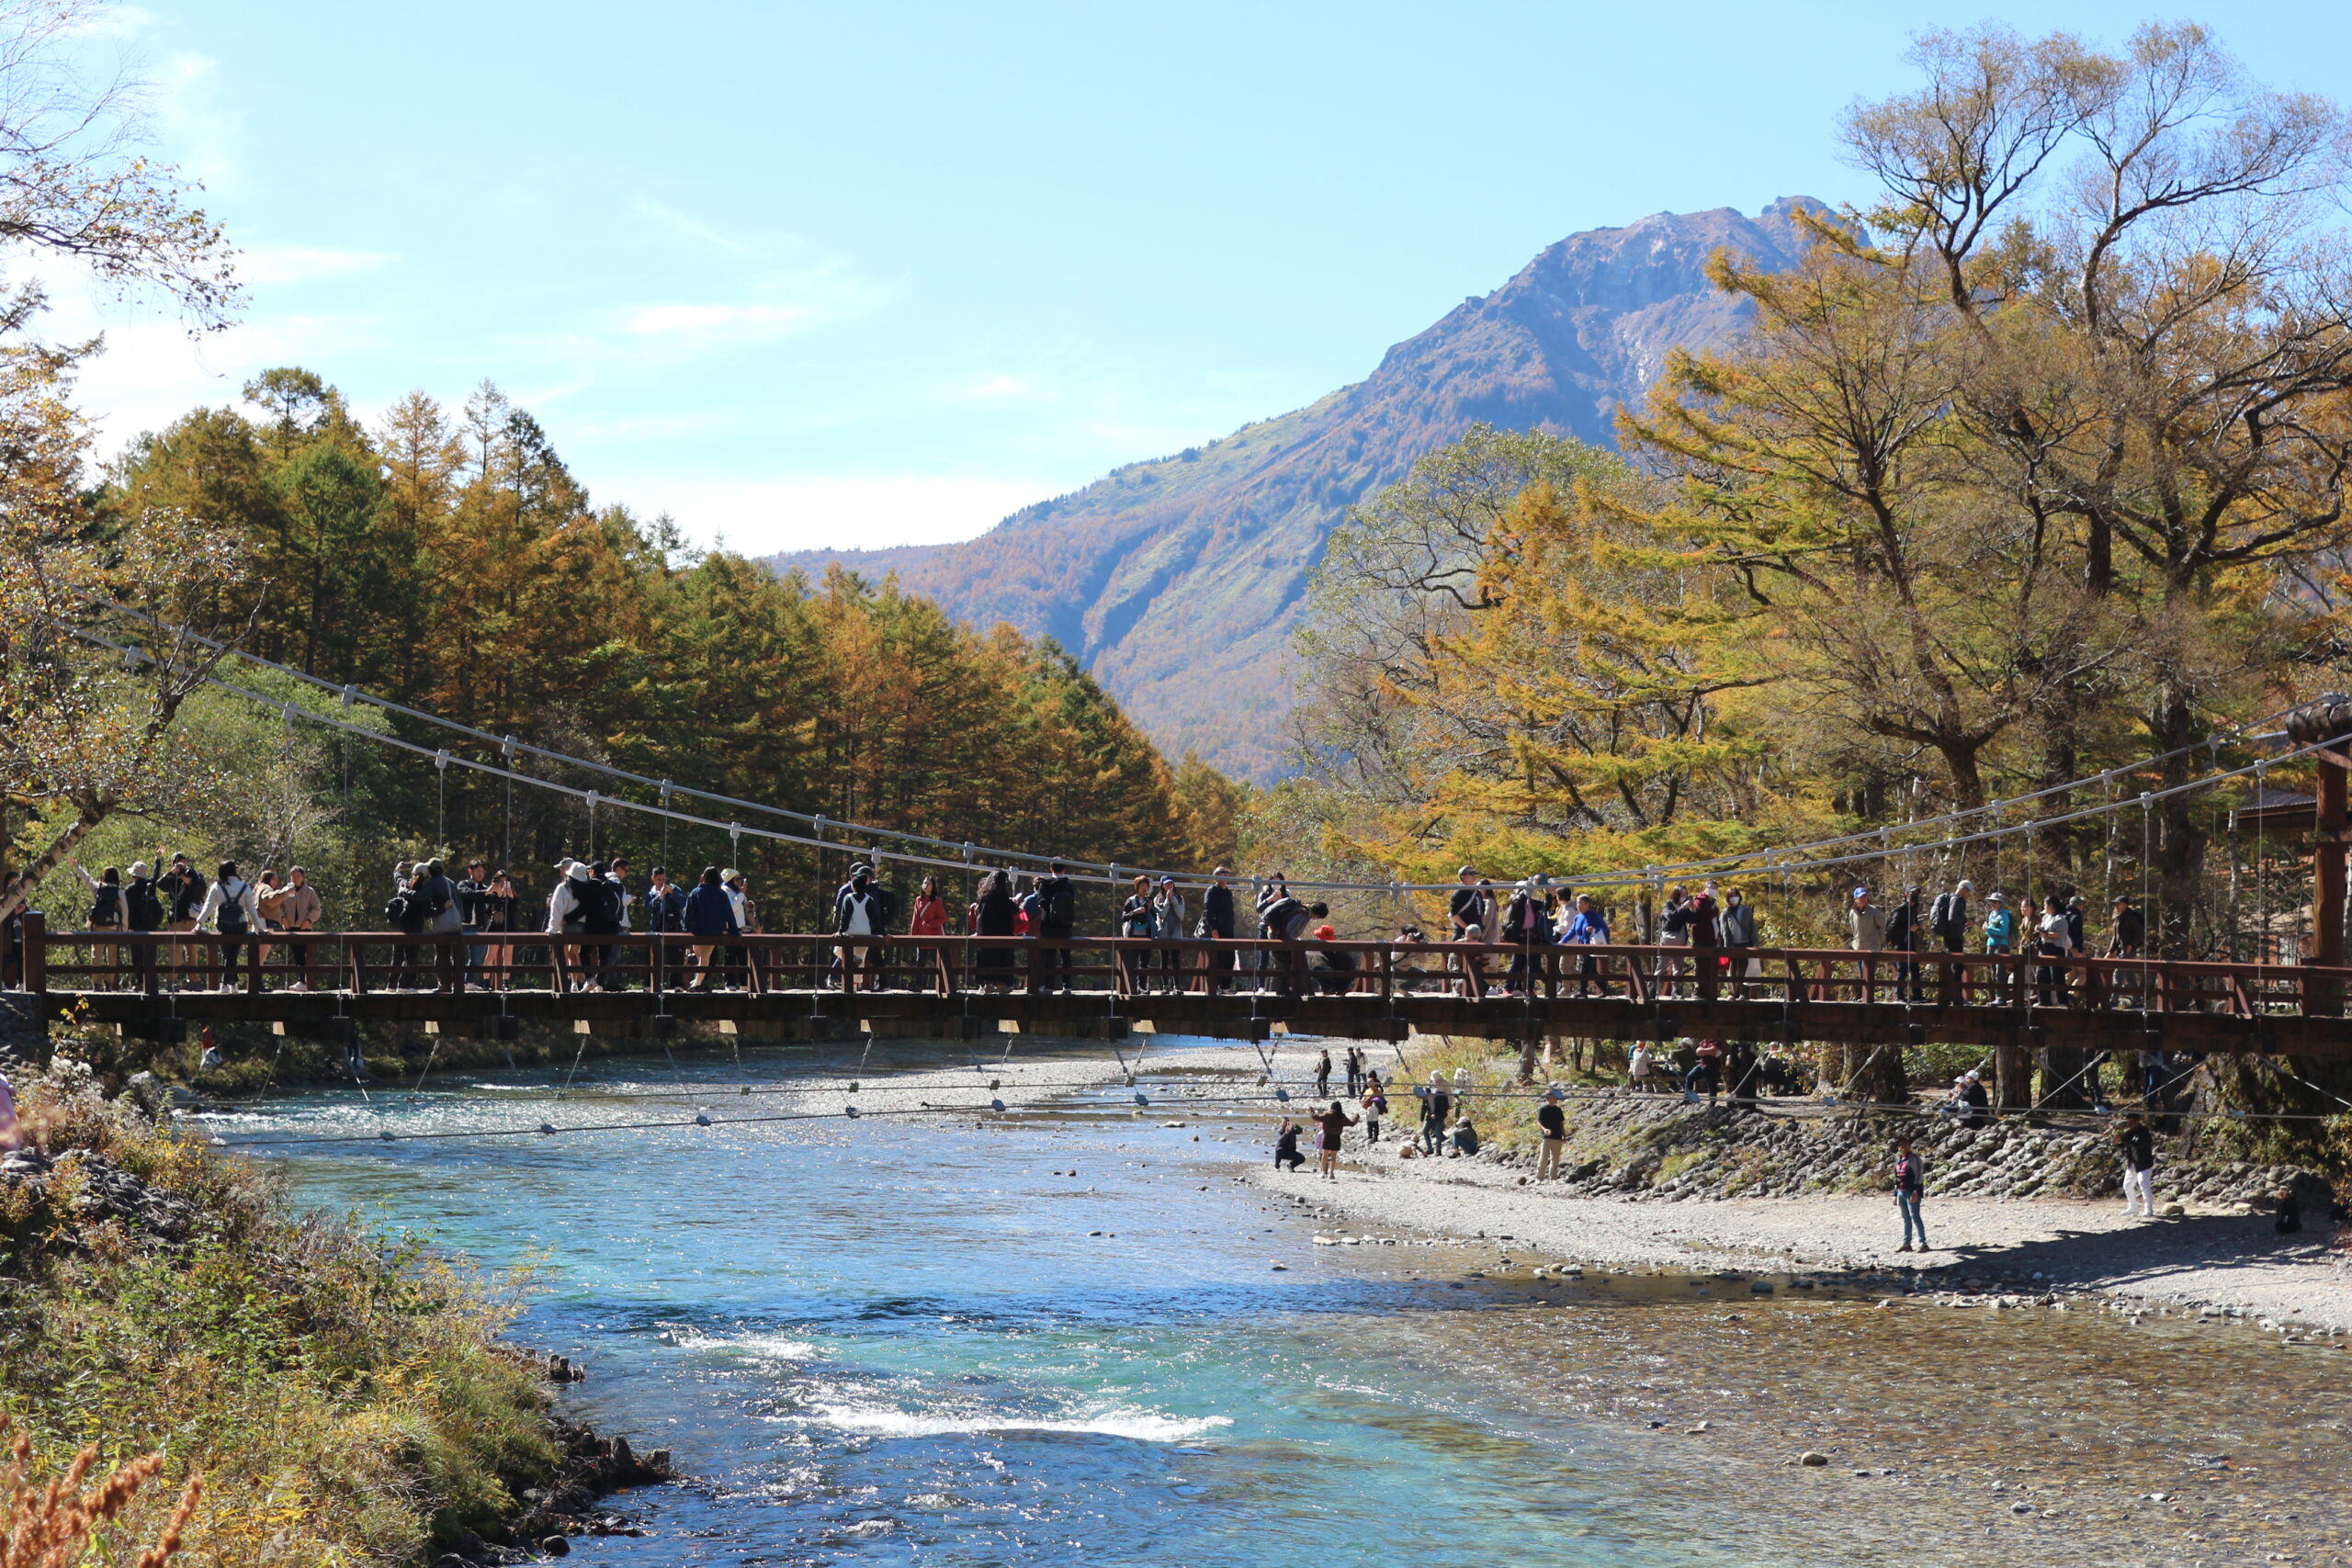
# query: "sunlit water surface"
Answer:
x=882 y=1341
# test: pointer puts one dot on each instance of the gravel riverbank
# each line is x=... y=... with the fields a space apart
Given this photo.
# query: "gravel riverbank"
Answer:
x=2228 y=1264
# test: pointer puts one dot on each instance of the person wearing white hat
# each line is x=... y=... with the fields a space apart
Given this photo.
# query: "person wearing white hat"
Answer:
x=568 y=912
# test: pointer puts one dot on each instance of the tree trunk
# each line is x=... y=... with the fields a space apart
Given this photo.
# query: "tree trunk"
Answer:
x=2065 y=1086
x=19 y=892
x=1874 y=1076
x=2012 y=1077
x=2180 y=842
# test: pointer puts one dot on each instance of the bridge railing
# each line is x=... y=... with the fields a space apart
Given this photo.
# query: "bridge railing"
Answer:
x=372 y=961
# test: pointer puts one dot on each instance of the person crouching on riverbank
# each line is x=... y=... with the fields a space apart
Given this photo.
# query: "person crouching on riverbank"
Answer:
x=1336 y=1121
x=1286 y=1155
x=1910 y=1189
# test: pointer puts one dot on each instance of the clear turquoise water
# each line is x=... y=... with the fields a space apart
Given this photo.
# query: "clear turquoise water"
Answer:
x=884 y=1342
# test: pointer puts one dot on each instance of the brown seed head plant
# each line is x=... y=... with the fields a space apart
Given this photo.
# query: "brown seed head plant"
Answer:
x=49 y=1524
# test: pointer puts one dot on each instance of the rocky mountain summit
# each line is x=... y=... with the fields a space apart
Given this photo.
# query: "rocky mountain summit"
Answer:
x=1177 y=582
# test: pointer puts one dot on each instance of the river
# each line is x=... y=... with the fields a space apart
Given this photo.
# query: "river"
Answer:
x=1061 y=1337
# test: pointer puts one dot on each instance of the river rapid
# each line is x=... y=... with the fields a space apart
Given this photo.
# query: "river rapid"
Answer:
x=1061 y=1335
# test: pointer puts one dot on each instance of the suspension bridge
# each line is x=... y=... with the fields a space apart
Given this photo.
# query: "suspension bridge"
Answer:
x=819 y=985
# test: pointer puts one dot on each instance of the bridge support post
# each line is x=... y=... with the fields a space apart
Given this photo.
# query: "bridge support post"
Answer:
x=2327 y=880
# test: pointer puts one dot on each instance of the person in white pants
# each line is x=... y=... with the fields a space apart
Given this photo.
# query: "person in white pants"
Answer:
x=2139 y=1147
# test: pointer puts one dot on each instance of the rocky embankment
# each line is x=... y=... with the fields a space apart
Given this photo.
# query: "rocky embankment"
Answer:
x=1658 y=1148
x=107 y=1209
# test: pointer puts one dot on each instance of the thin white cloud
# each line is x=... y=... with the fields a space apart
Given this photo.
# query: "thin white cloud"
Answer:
x=778 y=305
x=683 y=321
x=306 y=264
x=833 y=511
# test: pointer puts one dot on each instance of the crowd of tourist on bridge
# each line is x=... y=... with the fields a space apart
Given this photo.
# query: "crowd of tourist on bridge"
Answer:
x=1705 y=936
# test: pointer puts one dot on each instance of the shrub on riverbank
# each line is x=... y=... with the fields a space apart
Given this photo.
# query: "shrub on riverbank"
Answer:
x=342 y=1393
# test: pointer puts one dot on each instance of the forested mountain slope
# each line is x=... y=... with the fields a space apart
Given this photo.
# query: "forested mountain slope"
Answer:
x=1177 y=582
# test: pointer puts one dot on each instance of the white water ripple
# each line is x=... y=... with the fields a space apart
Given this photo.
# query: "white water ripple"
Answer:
x=1123 y=1421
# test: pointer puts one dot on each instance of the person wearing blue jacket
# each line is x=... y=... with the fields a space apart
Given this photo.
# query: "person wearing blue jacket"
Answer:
x=709 y=915
x=1589 y=925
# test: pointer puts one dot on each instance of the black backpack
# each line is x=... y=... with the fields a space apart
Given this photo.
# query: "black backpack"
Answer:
x=104 y=906
x=1058 y=906
x=397 y=910
x=146 y=909
x=231 y=917
x=1280 y=914
x=600 y=904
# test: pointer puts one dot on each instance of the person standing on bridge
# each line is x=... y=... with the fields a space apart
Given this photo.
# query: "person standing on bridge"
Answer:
x=2000 y=940
x=233 y=912
x=1216 y=925
x=1589 y=925
x=471 y=888
x=1136 y=921
x=1737 y=927
x=1467 y=912
x=1527 y=927
x=2054 y=941
x=108 y=910
x=183 y=889
x=568 y=917
x=709 y=915
x=856 y=913
x=1948 y=916
x=665 y=902
x=1673 y=935
x=1167 y=913
x=1055 y=919
x=1902 y=935
x=497 y=903
x=929 y=916
x=994 y=914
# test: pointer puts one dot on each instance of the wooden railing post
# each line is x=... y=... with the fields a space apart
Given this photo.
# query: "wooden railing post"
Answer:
x=33 y=963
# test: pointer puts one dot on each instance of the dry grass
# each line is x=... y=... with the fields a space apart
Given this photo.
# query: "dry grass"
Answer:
x=342 y=1391
x=54 y=1524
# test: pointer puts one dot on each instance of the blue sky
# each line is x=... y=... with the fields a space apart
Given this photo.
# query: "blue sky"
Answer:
x=859 y=275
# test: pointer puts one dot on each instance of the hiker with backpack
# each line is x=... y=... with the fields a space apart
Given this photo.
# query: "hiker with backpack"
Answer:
x=407 y=911
x=1054 y=918
x=1286 y=920
x=142 y=912
x=857 y=912
x=182 y=890
x=232 y=910
x=567 y=916
x=109 y=911
x=443 y=917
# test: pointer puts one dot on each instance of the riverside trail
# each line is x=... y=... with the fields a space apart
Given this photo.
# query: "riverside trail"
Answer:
x=1070 y=1335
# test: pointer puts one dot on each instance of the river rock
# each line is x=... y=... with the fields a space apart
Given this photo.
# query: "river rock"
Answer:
x=1813 y=1459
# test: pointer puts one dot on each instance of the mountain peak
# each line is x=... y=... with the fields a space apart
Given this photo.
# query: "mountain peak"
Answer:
x=1177 y=582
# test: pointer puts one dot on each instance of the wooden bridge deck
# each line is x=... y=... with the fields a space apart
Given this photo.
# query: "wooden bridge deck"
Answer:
x=791 y=987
